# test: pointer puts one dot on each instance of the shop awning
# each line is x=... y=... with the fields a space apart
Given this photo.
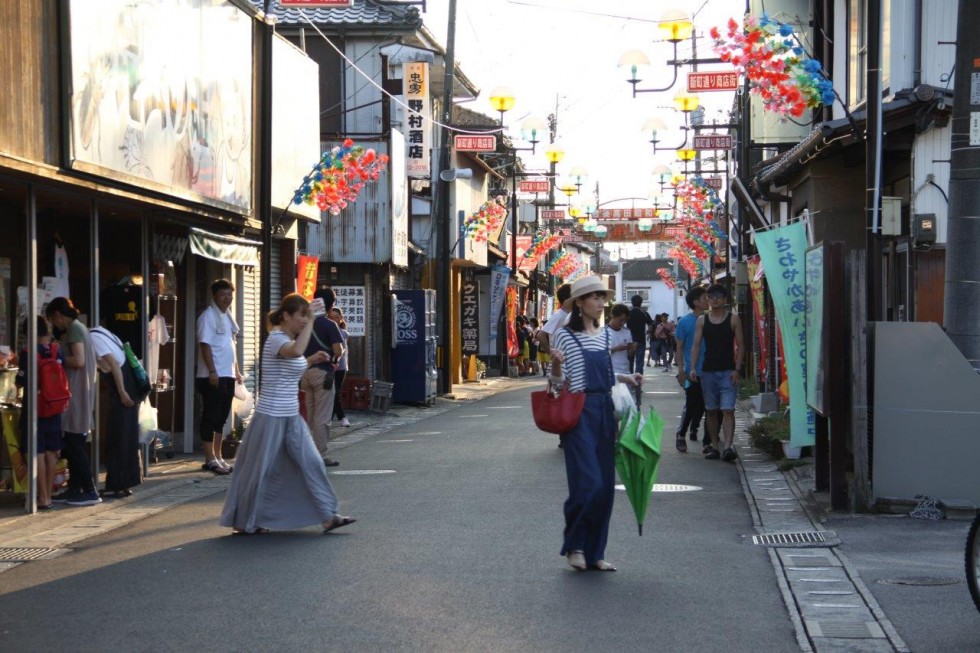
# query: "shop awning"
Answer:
x=224 y=248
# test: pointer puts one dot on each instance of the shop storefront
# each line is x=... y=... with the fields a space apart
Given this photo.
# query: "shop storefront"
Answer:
x=141 y=192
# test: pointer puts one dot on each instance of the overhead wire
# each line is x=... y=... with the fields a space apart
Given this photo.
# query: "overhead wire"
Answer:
x=393 y=98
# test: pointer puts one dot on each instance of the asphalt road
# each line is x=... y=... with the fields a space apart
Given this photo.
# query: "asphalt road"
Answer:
x=457 y=549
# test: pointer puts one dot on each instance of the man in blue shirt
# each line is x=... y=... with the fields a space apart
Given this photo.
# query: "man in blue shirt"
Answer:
x=693 y=411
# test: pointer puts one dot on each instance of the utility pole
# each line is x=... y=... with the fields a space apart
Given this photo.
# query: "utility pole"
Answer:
x=962 y=300
x=872 y=158
x=442 y=208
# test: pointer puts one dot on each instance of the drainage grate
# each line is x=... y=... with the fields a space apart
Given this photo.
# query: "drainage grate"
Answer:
x=668 y=487
x=845 y=629
x=362 y=472
x=27 y=554
x=789 y=539
x=924 y=581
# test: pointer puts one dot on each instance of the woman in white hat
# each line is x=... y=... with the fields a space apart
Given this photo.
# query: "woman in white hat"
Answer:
x=580 y=355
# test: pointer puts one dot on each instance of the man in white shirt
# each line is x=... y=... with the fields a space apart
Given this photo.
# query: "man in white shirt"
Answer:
x=621 y=343
x=217 y=371
x=555 y=322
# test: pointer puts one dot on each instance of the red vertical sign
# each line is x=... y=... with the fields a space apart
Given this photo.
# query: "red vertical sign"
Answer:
x=306 y=267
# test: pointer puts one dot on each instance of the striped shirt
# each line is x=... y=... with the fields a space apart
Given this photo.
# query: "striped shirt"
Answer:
x=279 y=391
x=574 y=365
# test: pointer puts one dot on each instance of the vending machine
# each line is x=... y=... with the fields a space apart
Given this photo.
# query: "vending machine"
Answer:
x=414 y=342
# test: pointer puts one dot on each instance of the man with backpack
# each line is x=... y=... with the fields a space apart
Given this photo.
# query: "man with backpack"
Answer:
x=52 y=400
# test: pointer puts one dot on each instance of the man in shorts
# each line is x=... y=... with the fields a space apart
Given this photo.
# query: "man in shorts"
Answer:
x=721 y=332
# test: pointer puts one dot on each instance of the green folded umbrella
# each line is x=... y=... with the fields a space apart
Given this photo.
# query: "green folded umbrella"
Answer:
x=637 y=458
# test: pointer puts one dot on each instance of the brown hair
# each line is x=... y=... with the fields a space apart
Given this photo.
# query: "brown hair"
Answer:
x=341 y=322
x=61 y=305
x=291 y=304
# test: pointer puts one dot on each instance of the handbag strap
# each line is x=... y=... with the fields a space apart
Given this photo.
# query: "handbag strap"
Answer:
x=320 y=342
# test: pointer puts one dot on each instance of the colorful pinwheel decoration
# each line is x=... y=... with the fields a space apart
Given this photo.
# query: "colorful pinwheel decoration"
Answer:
x=776 y=65
x=485 y=221
x=697 y=205
x=338 y=177
x=667 y=275
x=565 y=266
x=543 y=243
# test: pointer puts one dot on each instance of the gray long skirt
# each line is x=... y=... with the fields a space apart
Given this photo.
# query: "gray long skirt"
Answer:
x=279 y=480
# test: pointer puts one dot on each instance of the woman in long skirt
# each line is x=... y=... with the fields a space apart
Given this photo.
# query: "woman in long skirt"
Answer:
x=279 y=480
x=590 y=448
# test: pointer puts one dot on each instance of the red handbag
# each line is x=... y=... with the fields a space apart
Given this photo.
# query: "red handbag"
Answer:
x=557 y=413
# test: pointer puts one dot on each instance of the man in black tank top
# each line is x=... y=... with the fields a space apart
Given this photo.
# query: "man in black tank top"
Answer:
x=721 y=332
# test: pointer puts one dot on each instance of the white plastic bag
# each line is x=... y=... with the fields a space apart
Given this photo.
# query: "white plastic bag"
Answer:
x=244 y=403
x=623 y=401
x=147 y=421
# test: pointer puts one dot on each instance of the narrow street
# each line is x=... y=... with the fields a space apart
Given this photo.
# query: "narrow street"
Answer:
x=456 y=548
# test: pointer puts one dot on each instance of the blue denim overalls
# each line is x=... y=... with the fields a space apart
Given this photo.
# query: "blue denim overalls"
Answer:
x=590 y=452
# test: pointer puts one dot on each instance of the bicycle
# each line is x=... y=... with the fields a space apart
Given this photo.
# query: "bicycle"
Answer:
x=973 y=560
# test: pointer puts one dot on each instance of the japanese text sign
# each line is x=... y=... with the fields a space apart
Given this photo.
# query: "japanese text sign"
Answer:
x=534 y=185
x=713 y=142
x=782 y=251
x=351 y=300
x=418 y=126
x=726 y=80
x=475 y=143
x=469 y=317
x=306 y=267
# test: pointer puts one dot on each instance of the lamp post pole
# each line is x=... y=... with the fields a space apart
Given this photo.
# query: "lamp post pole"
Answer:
x=513 y=211
x=442 y=208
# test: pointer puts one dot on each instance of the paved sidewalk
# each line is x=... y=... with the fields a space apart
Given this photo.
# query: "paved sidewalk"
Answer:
x=179 y=480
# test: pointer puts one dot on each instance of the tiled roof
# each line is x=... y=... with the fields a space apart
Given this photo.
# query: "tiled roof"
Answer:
x=644 y=269
x=361 y=13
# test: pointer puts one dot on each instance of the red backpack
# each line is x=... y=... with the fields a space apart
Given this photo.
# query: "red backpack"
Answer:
x=53 y=393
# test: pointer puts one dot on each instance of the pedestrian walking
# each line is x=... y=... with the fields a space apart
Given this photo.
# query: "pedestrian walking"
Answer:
x=638 y=323
x=340 y=373
x=122 y=429
x=532 y=341
x=620 y=339
x=317 y=383
x=217 y=372
x=580 y=355
x=693 y=409
x=721 y=332
x=78 y=421
x=280 y=481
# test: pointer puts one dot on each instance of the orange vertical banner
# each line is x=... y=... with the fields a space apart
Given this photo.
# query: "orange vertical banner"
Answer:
x=306 y=268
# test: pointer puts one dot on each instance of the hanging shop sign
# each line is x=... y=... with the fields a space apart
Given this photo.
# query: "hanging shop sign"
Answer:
x=714 y=182
x=726 y=80
x=306 y=268
x=469 y=143
x=713 y=142
x=534 y=185
x=352 y=301
x=552 y=214
x=415 y=86
x=469 y=317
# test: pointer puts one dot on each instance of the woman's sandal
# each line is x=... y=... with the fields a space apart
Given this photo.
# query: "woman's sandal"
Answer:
x=602 y=565
x=338 y=521
x=576 y=560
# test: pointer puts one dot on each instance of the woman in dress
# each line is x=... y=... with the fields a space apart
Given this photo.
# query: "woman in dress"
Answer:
x=122 y=430
x=279 y=480
x=580 y=355
x=340 y=373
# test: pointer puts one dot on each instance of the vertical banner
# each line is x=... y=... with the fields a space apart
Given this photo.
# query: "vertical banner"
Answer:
x=512 y=322
x=524 y=244
x=783 y=252
x=306 y=267
x=469 y=317
x=415 y=86
x=758 y=291
x=815 y=378
x=498 y=283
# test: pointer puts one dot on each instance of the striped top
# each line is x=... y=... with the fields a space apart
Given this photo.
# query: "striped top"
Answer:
x=574 y=365
x=279 y=390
